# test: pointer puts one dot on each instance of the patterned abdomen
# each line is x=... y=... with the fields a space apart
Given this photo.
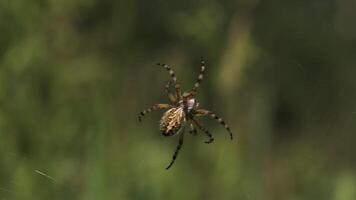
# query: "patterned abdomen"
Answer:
x=172 y=121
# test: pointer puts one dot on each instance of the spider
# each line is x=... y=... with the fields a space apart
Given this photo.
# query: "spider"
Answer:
x=182 y=111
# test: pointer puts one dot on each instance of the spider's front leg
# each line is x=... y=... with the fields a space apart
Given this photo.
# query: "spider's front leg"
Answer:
x=153 y=108
x=174 y=78
x=200 y=77
x=202 y=112
x=171 y=97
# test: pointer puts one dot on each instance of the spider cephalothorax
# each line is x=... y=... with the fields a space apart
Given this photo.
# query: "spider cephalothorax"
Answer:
x=182 y=110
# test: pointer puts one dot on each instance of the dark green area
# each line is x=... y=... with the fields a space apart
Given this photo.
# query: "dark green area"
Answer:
x=75 y=74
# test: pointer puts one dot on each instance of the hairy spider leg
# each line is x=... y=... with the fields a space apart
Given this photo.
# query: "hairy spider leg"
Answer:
x=192 y=130
x=174 y=78
x=202 y=112
x=179 y=146
x=201 y=127
x=153 y=108
x=171 y=97
x=200 y=77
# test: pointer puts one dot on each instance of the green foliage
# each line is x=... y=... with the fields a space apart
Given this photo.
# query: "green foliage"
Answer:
x=75 y=74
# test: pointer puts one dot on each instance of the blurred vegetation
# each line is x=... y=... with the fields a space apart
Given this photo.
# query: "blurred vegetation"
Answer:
x=75 y=74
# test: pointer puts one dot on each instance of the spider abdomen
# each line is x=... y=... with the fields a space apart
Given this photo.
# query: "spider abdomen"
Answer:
x=172 y=120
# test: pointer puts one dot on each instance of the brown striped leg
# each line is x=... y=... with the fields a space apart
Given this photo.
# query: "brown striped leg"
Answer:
x=153 y=108
x=171 y=97
x=174 y=78
x=192 y=130
x=166 y=87
x=201 y=127
x=179 y=146
x=201 y=112
x=200 y=77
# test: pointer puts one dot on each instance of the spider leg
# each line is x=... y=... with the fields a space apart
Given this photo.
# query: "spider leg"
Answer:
x=179 y=146
x=153 y=108
x=201 y=112
x=192 y=130
x=201 y=127
x=174 y=78
x=200 y=77
x=171 y=97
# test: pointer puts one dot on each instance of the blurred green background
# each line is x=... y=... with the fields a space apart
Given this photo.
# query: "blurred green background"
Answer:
x=74 y=74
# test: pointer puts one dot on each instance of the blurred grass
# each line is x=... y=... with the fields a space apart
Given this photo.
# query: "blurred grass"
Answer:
x=75 y=74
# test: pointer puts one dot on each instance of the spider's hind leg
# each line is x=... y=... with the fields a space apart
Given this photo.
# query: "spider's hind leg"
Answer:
x=201 y=112
x=201 y=127
x=179 y=146
x=192 y=130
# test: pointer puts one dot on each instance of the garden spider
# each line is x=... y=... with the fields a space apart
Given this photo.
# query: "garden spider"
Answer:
x=182 y=110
